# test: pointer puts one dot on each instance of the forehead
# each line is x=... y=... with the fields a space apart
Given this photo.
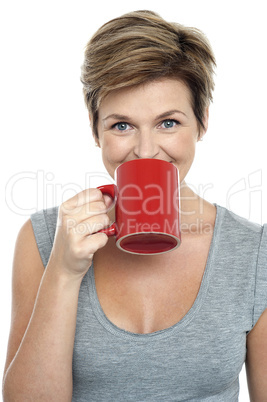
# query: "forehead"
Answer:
x=163 y=93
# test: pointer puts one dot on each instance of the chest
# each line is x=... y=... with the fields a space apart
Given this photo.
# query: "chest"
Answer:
x=197 y=359
x=145 y=294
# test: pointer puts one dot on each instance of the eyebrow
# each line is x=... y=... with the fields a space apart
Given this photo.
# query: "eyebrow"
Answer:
x=123 y=117
x=170 y=112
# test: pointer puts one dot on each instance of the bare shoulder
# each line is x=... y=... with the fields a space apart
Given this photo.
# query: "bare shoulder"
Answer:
x=256 y=362
x=209 y=211
x=27 y=264
x=27 y=273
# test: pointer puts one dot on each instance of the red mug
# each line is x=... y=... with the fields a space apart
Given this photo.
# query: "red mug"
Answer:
x=147 y=211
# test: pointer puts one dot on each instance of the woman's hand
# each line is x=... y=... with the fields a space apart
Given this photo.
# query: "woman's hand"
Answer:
x=76 y=238
x=44 y=301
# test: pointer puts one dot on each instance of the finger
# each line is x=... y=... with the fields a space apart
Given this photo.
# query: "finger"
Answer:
x=108 y=200
x=89 y=245
x=88 y=226
x=86 y=210
x=94 y=243
x=90 y=209
x=84 y=197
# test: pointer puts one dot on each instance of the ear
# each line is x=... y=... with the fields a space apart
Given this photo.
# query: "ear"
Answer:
x=97 y=143
x=205 y=123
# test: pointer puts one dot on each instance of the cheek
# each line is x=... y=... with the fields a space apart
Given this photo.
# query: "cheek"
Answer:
x=113 y=149
x=184 y=149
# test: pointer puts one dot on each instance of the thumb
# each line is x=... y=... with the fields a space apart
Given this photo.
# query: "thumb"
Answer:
x=108 y=200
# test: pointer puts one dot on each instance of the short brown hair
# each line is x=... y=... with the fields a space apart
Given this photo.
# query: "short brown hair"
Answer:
x=139 y=47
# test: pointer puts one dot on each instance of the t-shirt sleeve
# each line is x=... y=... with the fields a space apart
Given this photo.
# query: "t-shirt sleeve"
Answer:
x=44 y=227
x=260 y=301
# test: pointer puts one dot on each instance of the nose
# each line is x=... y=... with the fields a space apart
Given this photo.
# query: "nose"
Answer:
x=146 y=145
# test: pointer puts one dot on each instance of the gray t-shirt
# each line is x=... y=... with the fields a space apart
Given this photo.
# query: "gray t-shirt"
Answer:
x=197 y=359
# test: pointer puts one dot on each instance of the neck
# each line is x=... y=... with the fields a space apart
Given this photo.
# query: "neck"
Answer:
x=195 y=211
x=190 y=203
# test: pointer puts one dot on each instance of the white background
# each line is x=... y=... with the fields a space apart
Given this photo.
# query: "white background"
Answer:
x=47 y=153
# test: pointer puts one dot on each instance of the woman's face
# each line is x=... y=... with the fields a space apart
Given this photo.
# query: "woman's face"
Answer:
x=154 y=120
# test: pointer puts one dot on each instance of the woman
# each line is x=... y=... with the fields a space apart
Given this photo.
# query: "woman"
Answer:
x=100 y=324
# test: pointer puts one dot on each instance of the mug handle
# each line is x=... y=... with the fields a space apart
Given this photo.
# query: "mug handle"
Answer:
x=109 y=189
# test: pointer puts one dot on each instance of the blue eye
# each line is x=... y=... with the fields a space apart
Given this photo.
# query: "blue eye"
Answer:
x=121 y=126
x=169 y=123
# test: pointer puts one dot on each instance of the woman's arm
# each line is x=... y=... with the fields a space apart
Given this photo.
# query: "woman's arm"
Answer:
x=44 y=305
x=41 y=369
x=256 y=362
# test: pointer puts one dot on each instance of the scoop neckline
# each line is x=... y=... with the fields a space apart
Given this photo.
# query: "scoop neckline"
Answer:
x=186 y=319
